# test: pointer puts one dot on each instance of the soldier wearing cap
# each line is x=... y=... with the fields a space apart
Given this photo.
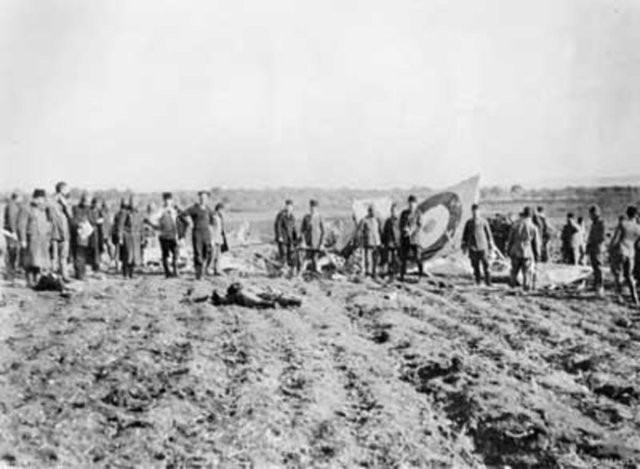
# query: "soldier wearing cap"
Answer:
x=571 y=238
x=34 y=234
x=540 y=220
x=218 y=237
x=200 y=217
x=122 y=210
x=391 y=241
x=83 y=236
x=60 y=213
x=477 y=240
x=130 y=237
x=368 y=233
x=167 y=222
x=595 y=248
x=622 y=251
x=410 y=225
x=286 y=235
x=312 y=231
x=11 y=214
x=523 y=247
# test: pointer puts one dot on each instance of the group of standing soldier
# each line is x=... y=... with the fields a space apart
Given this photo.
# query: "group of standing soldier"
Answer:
x=528 y=241
x=623 y=251
x=309 y=239
x=391 y=243
x=46 y=235
x=526 y=244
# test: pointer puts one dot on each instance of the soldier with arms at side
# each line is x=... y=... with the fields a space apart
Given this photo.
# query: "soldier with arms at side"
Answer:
x=286 y=236
x=199 y=216
x=218 y=238
x=595 y=248
x=571 y=237
x=130 y=236
x=368 y=233
x=61 y=219
x=167 y=221
x=523 y=248
x=477 y=241
x=312 y=231
x=622 y=252
x=391 y=241
x=410 y=225
x=10 y=226
x=34 y=233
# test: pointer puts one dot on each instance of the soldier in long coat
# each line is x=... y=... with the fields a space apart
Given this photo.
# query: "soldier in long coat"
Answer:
x=130 y=237
x=34 y=233
x=12 y=256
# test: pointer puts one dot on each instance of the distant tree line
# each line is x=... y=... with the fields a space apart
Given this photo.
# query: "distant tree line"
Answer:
x=260 y=200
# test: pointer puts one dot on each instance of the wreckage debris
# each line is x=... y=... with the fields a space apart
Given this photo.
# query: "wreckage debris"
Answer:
x=249 y=297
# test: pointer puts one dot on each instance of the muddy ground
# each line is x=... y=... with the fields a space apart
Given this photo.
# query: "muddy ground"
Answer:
x=364 y=374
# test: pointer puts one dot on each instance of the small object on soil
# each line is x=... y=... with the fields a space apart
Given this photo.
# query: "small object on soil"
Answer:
x=622 y=322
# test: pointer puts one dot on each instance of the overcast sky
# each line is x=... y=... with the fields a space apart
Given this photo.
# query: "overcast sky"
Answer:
x=370 y=93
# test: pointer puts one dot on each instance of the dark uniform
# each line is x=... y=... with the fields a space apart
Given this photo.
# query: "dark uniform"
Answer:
x=82 y=247
x=368 y=232
x=312 y=230
x=202 y=218
x=478 y=241
x=540 y=220
x=115 y=241
x=409 y=248
x=286 y=238
x=98 y=240
x=130 y=233
x=595 y=251
x=11 y=212
x=571 y=237
x=391 y=242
